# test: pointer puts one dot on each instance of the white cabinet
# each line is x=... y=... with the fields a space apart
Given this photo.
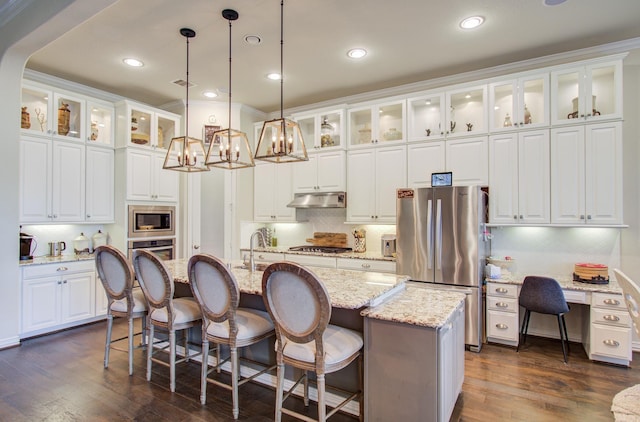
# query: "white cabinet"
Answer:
x=324 y=172
x=322 y=129
x=519 y=191
x=373 y=176
x=519 y=102
x=377 y=123
x=311 y=260
x=147 y=180
x=426 y=117
x=502 y=313
x=100 y=123
x=52 y=181
x=100 y=185
x=609 y=330
x=587 y=92
x=586 y=174
x=423 y=159
x=102 y=301
x=143 y=126
x=366 y=265
x=57 y=296
x=468 y=160
x=272 y=191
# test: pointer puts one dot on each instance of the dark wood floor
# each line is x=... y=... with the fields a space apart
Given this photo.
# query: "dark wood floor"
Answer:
x=60 y=378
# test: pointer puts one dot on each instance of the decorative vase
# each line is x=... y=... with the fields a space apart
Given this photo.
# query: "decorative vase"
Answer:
x=507 y=121
x=64 y=116
x=360 y=244
x=94 y=131
x=527 y=116
x=25 y=120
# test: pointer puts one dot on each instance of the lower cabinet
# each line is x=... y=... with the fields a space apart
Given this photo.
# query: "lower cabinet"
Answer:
x=311 y=260
x=367 y=265
x=609 y=338
x=502 y=313
x=102 y=302
x=56 y=296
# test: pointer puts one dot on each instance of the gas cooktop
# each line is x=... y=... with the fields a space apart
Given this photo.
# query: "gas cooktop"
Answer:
x=319 y=249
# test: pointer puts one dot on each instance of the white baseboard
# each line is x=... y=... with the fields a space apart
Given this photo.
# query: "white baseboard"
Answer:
x=9 y=342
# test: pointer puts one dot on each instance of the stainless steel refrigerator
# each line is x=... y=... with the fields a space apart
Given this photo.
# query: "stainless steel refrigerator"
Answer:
x=441 y=241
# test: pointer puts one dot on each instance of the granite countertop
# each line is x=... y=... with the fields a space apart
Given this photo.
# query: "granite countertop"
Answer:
x=418 y=306
x=347 y=289
x=370 y=255
x=566 y=281
x=39 y=260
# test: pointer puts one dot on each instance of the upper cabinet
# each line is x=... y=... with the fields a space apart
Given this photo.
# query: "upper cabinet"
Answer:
x=519 y=103
x=100 y=123
x=588 y=92
x=377 y=123
x=140 y=125
x=322 y=130
x=457 y=112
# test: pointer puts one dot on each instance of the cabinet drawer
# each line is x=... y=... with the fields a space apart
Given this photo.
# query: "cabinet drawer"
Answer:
x=503 y=290
x=611 y=317
x=314 y=261
x=61 y=268
x=607 y=300
x=611 y=341
x=264 y=256
x=502 y=304
x=367 y=265
x=502 y=325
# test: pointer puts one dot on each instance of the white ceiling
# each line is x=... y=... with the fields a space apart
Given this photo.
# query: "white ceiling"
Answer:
x=407 y=40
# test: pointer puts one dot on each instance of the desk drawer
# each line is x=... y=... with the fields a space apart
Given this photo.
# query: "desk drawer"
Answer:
x=502 y=290
x=503 y=304
x=611 y=341
x=607 y=300
x=502 y=325
x=611 y=317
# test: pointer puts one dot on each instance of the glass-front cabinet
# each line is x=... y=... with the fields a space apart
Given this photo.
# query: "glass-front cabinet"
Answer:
x=69 y=117
x=140 y=125
x=586 y=93
x=426 y=117
x=466 y=111
x=36 y=105
x=322 y=129
x=101 y=123
x=519 y=103
x=378 y=123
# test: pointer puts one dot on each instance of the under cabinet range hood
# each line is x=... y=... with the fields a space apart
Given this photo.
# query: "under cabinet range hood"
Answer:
x=319 y=200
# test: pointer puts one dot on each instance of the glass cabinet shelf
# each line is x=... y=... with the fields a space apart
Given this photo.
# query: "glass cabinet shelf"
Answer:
x=322 y=129
x=380 y=123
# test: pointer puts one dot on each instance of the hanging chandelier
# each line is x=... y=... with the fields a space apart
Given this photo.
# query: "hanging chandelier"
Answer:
x=185 y=153
x=229 y=148
x=281 y=139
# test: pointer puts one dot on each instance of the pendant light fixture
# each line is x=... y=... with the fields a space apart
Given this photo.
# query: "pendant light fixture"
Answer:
x=185 y=153
x=229 y=148
x=281 y=139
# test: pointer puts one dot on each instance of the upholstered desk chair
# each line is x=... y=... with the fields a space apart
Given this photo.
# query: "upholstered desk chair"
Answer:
x=544 y=295
x=165 y=312
x=223 y=322
x=116 y=274
x=300 y=308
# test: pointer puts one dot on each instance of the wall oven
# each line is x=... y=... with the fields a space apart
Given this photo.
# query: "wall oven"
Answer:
x=164 y=248
x=151 y=221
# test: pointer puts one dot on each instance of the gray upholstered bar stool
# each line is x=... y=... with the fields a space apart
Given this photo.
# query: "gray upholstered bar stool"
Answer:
x=545 y=296
x=223 y=322
x=165 y=312
x=300 y=308
x=116 y=274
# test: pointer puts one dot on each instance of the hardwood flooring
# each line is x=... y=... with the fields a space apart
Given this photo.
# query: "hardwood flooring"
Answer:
x=60 y=377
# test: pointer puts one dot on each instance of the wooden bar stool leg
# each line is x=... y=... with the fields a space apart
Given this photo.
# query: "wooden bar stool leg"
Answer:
x=279 y=391
x=150 y=351
x=306 y=388
x=107 y=343
x=205 y=369
x=322 y=408
x=130 y=345
x=172 y=360
x=234 y=381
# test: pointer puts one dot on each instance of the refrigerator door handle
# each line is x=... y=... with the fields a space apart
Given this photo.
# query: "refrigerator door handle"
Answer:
x=439 y=234
x=429 y=234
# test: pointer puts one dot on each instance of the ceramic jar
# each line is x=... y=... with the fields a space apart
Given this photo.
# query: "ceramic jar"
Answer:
x=99 y=239
x=25 y=120
x=64 y=117
x=82 y=245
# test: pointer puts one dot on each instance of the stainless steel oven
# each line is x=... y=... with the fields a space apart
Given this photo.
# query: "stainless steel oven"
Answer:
x=164 y=248
x=151 y=221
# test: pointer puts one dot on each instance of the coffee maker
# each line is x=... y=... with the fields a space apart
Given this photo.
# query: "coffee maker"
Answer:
x=28 y=244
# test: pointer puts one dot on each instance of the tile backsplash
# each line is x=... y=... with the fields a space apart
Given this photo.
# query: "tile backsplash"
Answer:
x=58 y=232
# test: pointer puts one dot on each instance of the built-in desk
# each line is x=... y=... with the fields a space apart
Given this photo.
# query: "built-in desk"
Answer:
x=599 y=319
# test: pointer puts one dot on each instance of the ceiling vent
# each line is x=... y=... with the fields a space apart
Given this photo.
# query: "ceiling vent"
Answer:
x=183 y=83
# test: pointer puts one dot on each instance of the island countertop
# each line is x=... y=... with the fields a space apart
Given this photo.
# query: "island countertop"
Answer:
x=347 y=289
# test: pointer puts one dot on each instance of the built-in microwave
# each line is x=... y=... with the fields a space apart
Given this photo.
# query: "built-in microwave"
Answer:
x=151 y=221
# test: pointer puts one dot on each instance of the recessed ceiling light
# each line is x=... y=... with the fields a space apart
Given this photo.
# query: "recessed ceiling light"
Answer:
x=252 y=39
x=274 y=76
x=357 y=53
x=133 y=62
x=553 y=2
x=471 y=22
x=210 y=94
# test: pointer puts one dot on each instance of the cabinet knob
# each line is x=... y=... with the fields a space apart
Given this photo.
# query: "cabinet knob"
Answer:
x=614 y=302
x=64 y=282
x=88 y=215
x=49 y=216
x=501 y=290
x=62 y=269
x=55 y=215
x=520 y=216
x=581 y=217
x=196 y=246
x=502 y=326
x=611 y=343
x=502 y=305
x=588 y=216
x=612 y=318
x=59 y=282
x=515 y=217
x=366 y=266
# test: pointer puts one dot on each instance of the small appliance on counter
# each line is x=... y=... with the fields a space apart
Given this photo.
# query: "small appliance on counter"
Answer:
x=56 y=248
x=388 y=245
x=28 y=245
x=82 y=245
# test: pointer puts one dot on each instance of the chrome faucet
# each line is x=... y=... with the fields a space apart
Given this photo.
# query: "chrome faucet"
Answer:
x=252 y=261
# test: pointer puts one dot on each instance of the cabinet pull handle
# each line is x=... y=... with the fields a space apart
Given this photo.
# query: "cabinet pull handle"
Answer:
x=62 y=269
x=588 y=216
x=64 y=282
x=502 y=326
x=611 y=343
x=502 y=305
x=501 y=290
x=261 y=256
x=366 y=266
x=613 y=318
x=196 y=246
x=614 y=302
x=59 y=282
x=515 y=217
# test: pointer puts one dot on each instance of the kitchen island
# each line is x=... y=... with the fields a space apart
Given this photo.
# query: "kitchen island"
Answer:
x=413 y=338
